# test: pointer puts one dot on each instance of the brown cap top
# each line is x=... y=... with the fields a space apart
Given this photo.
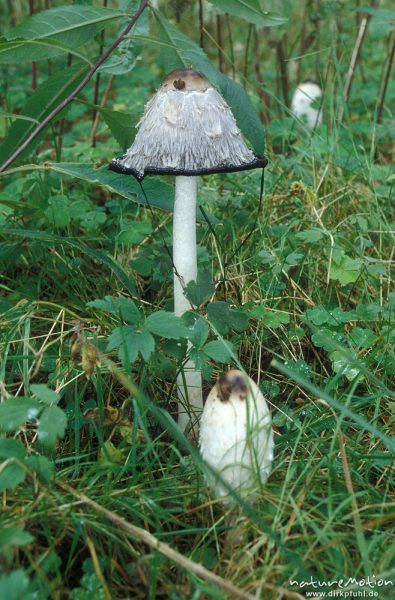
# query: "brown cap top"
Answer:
x=186 y=80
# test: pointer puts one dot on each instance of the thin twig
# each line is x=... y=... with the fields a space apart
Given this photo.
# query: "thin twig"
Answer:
x=102 y=104
x=76 y=90
x=263 y=96
x=221 y=57
x=353 y=63
x=146 y=537
x=247 y=48
x=283 y=71
x=201 y=25
x=386 y=80
x=97 y=84
x=34 y=64
x=231 y=49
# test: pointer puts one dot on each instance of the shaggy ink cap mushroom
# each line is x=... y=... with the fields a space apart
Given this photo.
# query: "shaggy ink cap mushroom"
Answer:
x=187 y=129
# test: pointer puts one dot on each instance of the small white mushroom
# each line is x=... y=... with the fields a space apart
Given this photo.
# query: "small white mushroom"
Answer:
x=236 y=438
x=304 y=96
x=187 y=129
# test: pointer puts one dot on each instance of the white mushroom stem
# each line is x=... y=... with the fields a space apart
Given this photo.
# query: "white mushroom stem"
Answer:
x=189 y=383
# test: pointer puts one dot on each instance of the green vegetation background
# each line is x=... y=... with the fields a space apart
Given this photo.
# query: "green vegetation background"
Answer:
x=89 y=348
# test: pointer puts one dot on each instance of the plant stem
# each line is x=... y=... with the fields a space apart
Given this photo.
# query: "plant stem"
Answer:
x=386 y=79
x=189 y=383
x=34 y=64
x=220 y=44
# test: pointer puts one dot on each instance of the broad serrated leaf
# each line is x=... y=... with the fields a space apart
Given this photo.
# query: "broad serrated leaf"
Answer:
x=14 y=536
x=200 y=291
x=10 y=448
x=14 y=586
x=44 y=393
x=130 y=343
x=166 y=324
x=52 y=426
x=41 y=465
x=310 y=236
x=363 y=338
x=341 y=364
x=16 y=411
x=12 y=475
x=224 y=318
x=134 y=232
x=119 y=305
x=345 y=269
x=181 y=51
x=327 y=339
x=270 y=318
x=199 y=334
x=250 y=11
x=219 y=350
x=321 y=315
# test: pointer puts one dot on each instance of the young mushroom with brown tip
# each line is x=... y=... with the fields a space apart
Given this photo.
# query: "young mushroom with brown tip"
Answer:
x=187 y=130
x=236 y=438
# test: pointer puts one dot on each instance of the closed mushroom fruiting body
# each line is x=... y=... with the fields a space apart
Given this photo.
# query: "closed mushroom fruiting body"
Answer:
x=236 y=438
x=302 y=101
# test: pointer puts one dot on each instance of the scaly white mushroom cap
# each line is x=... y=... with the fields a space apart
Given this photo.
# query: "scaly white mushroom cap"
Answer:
x=236 y=437
x=304 y=96
x=187 y=129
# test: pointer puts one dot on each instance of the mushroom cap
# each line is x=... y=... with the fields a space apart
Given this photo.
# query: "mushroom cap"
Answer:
x=187 y=129
x=303 y=97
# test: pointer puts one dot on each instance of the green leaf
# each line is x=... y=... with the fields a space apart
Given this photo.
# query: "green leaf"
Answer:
x=45 y=98
x=135 y=232
x=181 y=51
x=146 y=343
x=270 y=318
x=52 y=426
x=58 y=213
x=321 y=315
x=327 y=339
x=250 y=11
x=122 y=126
x=41 y=465
x=44 y=393
x=224 y=318
x=94 y=254
x=119 y=305
x=16 y=411
x=71 y=26
x=219 y=350
x=340 y=363
x=14 y=586
x=199 y=333
x=12 y=449
x=14 y=536
x=345 y=269
x=310 y=236
x=166 y=324
x=12 y=475
x=200 y=291
x=23 y=51
x=159 y=193
x=130 y=343
x=363 y=338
